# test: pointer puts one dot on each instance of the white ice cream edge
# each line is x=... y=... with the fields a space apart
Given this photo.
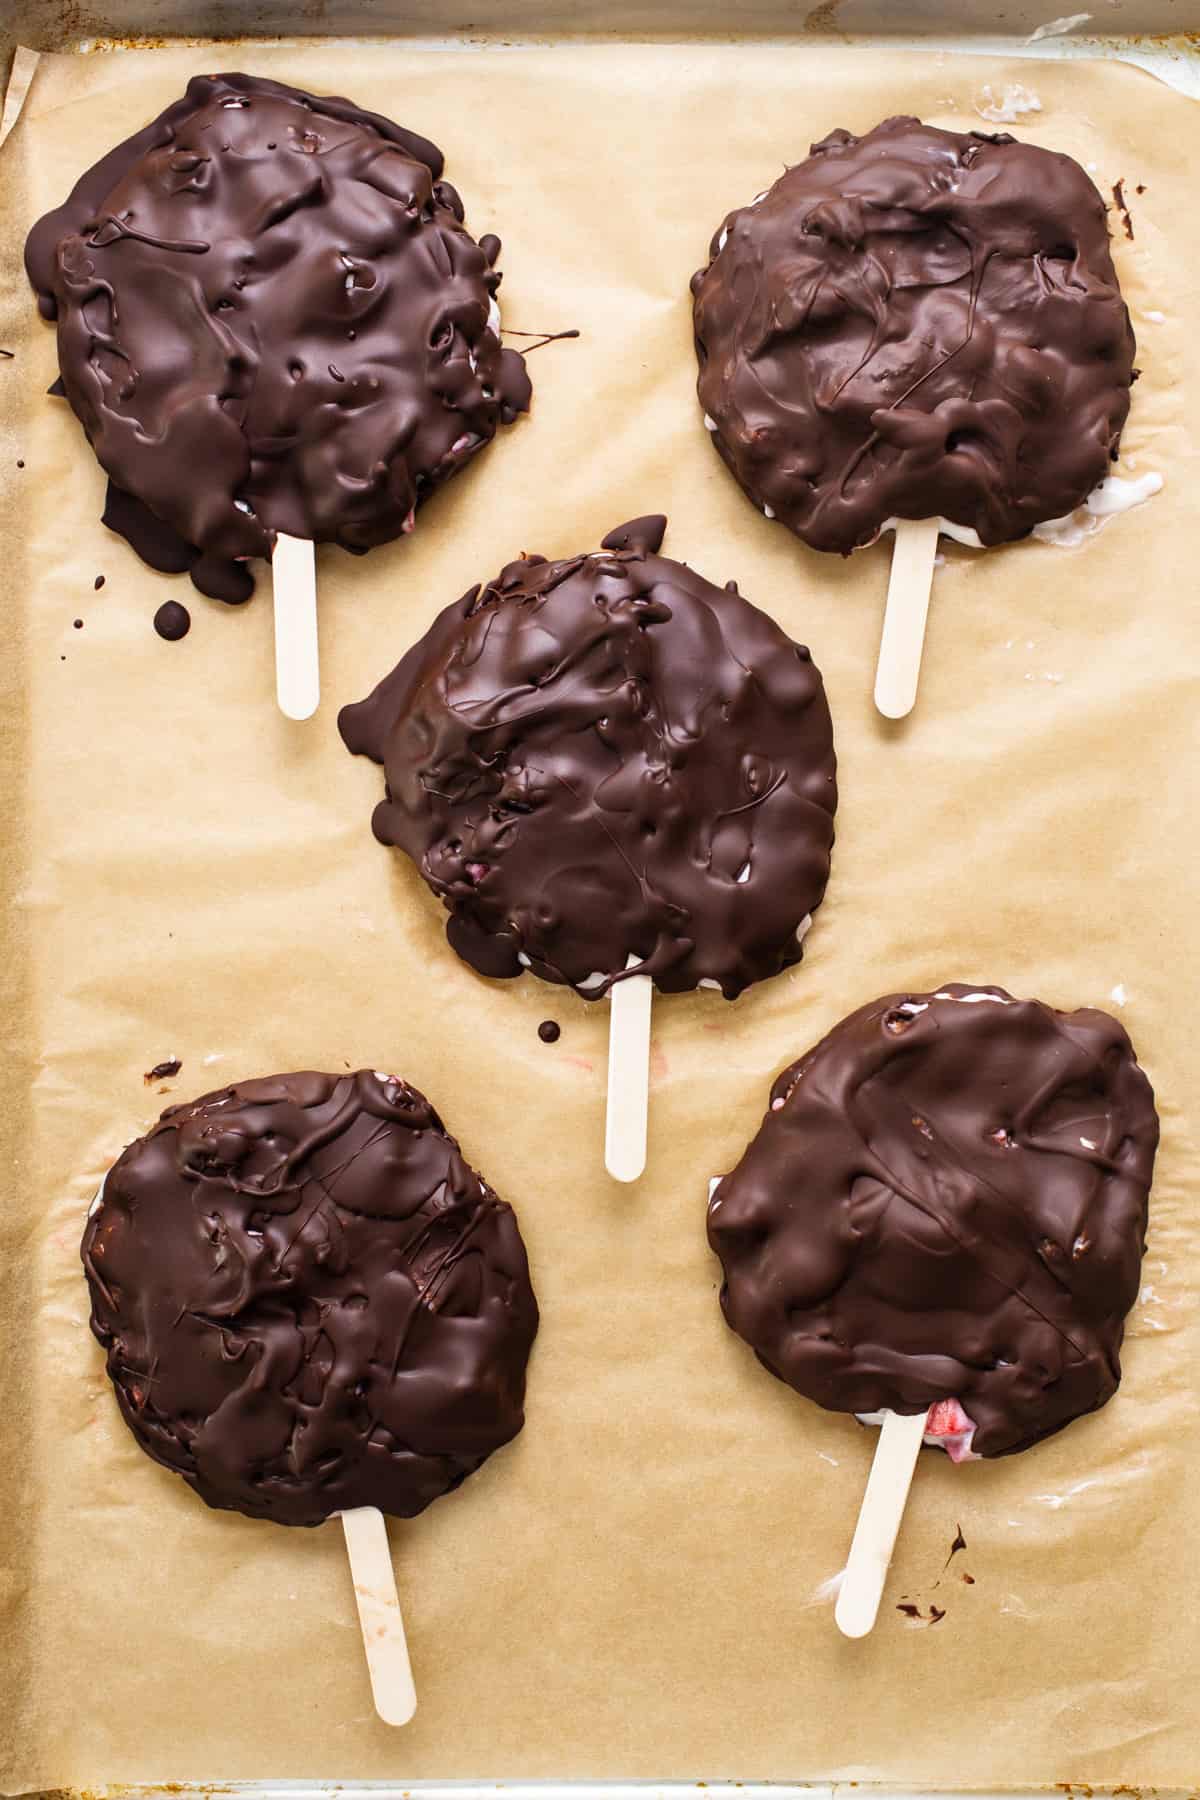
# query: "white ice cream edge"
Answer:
x=1115 y=494
x=936 y=1440
x=493 y=325
x=724 y=237
x=962 y=534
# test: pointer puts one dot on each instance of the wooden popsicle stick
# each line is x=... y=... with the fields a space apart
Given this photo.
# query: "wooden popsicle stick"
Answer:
x=379 y=1615
x=297 y=668
x=903 y=637
x=878 y=1522
x=628 y=1075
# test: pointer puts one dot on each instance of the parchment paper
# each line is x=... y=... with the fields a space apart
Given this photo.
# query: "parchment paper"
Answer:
x=635 y=1588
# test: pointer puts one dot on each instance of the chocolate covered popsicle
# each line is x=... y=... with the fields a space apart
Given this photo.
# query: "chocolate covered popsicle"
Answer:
x=311 y=1305
x=608 y=756
x=308 y=1300
x=611 y=773
x=943 y=1214
x=272 y=324
x=271 y=317
x=916 y=325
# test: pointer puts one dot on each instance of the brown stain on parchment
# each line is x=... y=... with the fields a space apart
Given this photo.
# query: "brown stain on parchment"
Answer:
x=822 y=17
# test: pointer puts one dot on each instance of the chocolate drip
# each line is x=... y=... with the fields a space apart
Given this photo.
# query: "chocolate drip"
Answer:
x=309 y=1301
x=946 y=1199
x=609 y=756
x=916 y=324
x=271 y=318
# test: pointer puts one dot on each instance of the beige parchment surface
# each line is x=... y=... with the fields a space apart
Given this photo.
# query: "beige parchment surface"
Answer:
x=635 y=1587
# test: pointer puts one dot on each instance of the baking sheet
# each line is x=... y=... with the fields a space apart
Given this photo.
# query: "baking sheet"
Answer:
x=637 y=1587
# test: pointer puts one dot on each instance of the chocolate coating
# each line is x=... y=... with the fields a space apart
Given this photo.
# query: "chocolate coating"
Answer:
x=609 y=756
x=916 y=324
x=946 y=1199
x=308 y=1300
x=271 y=318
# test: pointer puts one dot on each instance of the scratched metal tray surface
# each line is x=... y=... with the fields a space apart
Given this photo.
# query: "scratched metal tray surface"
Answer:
x=1162 y=36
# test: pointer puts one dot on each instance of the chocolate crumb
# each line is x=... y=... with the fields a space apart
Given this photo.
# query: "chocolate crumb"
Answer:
x=1119 y=201
x=20 y=462
x=969 y=1579
x=163 y=1071
x=908 y=1609
x=172 y=621
x=936 y=1614
x=78 y=624
x=549 y=1031
x=98 y=583
x=1140 y=188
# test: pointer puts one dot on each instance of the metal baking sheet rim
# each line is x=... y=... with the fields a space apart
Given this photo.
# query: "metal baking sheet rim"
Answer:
x=598 y=1790
x=1173 y=59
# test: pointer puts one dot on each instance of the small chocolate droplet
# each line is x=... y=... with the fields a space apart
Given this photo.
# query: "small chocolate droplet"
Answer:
x=98 y=583
x=163 y=1071
x=172 y=621
x=549 y=1031
x=78 y=624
